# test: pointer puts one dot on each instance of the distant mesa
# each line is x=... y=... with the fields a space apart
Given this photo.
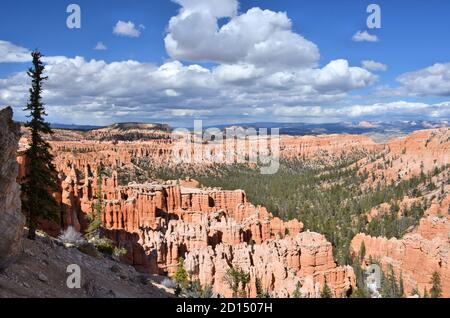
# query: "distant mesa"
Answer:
x=117 y=132
x=140 y=126
x=130 y=132
x=382 y=131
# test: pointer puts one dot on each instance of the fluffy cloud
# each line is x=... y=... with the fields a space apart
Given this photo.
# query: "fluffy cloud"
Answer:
x=262 y=70
x=338 y=76
x=237 y=73
x=433 y=80
x=374 y=66
x=10 y=53
x=399 y=110
x=127 y=90
x=364 y=36
x=79 y=90
x=258 y=37
x=127 y=29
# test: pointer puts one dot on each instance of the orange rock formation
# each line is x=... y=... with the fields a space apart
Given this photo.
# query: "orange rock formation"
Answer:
x=417 y=255
x=215 y=229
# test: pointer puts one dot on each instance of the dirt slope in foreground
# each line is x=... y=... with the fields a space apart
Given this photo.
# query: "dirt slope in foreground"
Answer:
x=40 y=272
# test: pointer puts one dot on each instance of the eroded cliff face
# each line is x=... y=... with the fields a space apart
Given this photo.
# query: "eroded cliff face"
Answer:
x=167 y=219
x=11 y=218
x=74 y=148
x=426 y=248
x=326 y=148
x=407 y=157
x=417 y=255
x=213 y=229
x=282 y=264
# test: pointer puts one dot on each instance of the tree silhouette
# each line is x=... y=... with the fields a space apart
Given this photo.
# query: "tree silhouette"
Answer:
x=41 y=177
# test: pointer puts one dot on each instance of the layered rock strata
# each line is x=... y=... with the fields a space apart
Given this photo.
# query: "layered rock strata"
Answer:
x=11 y=218
x=417 y=255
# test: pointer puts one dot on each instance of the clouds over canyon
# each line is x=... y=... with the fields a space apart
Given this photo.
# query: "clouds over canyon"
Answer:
x=224 y=65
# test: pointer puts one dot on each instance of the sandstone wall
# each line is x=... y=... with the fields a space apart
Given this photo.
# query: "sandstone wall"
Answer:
x=279 y=264
x=212 y=229
x=417 y=255
x=11 y=218
x=404 y=158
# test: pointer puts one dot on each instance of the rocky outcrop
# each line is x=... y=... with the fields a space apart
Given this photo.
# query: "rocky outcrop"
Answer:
x=407 y=157
x=11 y=218
x=114 y=148
x=168 y=220
x=213 y=229
x=417 y=255
x=116 y=132
x=280 y=265
x=43 y=271
x=169 y=241
x=326 y=148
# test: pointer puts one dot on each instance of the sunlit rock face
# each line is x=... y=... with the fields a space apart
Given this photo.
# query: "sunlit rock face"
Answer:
x=417 y=255
x=213 y=229
x=11 y=218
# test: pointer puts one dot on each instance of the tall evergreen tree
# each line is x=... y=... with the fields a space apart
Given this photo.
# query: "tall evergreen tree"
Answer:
x=297 y=292
x=259 y=289
x=41 y=177
x=362 y=252
x=237 y=280
x=436 y=289
x=181 y=276
x=326 y=292
x=94 y=229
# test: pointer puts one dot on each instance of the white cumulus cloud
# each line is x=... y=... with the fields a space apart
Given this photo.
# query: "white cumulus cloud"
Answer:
x=127 y=29
x=10 y=53
x=79 y=90
x=432 y=80
x=374 y=66
x=261 y=69
x=364 y=36
x=259 y=37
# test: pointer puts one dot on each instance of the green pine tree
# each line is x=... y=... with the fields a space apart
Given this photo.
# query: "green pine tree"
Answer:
x=237 y=280
x=181 y=276
x=362 y=252
x=297 y=292
x=259 y=289
x=389 y=286
x=95 y=226
x=41 y=176
x=436 y=289
x=326 y=292
x=361 y=291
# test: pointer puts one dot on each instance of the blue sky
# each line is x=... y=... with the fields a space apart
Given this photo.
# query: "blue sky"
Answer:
x=240 y=85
